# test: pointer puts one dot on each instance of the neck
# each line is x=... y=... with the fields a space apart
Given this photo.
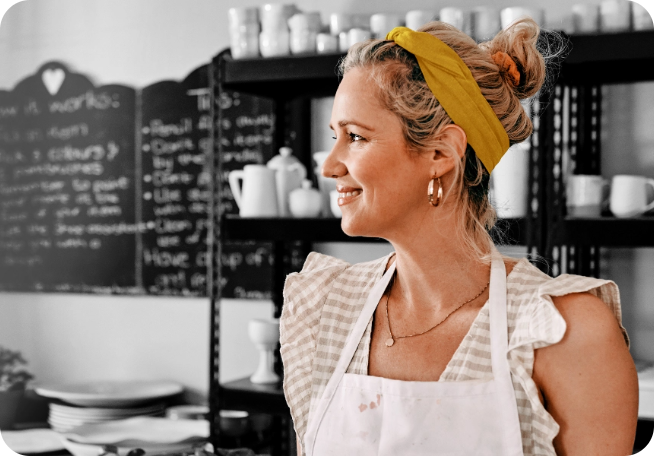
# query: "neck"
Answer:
x=435 y=270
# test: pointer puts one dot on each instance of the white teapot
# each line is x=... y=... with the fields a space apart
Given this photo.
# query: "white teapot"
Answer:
x=289 y=174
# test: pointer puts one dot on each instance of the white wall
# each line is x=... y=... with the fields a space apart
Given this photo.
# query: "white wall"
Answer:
x=137 y=42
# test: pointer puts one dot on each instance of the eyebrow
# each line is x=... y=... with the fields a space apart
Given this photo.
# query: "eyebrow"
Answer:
x=344 y=123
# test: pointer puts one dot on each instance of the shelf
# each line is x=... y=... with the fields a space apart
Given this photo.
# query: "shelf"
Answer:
x=324 y=230
x=242 y=394
x=607 y=231
x=610 y=58
x=286 y=77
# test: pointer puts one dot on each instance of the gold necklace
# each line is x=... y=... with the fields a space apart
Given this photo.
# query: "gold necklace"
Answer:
x=391 y=341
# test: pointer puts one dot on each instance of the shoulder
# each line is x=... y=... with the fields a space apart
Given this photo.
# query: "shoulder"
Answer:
x=542 y=305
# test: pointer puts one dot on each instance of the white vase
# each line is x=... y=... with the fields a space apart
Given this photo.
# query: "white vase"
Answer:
x=264 y=333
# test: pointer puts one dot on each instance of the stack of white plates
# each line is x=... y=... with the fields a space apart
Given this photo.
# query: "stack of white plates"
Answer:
x=65 y=417
x=98 y=402
x=154 y=435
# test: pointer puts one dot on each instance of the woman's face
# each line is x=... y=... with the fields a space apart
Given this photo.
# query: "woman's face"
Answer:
x=382 y=184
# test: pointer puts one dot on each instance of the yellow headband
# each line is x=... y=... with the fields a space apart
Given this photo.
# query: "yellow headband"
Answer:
x=451 y=82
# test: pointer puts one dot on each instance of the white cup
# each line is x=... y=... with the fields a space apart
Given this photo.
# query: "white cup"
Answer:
x=453 y=16
x=244 y=41
x=333 y=204
x=274 y=16
x=585 y=18
x=382 y=23
x=615 y=15
x=511 y=183
x=344 y=41
x=484 y=22
x=357 y=35
x=415 y=19
x=326 y=43
x=629 y=195
x=640 y=17
x=303 y=42
x=585 y=195
x=339 y=22
x=275 y=43
x=512 y=14
x=239 y=16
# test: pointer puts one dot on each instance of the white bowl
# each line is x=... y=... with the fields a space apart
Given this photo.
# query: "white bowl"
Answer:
x=87 y=449
x=264 y=331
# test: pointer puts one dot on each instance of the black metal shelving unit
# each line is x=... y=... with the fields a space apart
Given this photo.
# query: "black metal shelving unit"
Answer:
x=568 y=244
x=572 y=245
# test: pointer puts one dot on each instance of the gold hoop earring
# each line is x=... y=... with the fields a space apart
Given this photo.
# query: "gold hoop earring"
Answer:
x=430 y=192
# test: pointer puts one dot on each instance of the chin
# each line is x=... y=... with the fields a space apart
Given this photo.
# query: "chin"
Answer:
x=355 y=226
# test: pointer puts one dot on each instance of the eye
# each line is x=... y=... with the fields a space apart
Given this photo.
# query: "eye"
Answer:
x=333 y=137
x=354 y=137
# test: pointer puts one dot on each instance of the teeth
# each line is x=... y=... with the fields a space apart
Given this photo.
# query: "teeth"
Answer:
x=348 y=194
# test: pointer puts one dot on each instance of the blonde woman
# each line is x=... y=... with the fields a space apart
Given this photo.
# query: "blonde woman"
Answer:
x=445 y=347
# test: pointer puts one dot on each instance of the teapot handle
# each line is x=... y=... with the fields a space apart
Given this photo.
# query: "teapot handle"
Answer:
x=299 y=167
x=234 y=185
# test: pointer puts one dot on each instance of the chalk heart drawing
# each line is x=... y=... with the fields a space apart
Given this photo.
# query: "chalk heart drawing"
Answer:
x=52 y=79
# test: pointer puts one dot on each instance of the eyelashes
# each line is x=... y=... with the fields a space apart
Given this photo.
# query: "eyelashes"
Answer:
x=353 y=137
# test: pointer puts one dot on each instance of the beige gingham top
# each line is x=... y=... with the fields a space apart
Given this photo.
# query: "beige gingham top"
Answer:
x=323 y=301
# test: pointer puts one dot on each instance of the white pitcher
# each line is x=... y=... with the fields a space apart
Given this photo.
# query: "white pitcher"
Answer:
x=258 y=197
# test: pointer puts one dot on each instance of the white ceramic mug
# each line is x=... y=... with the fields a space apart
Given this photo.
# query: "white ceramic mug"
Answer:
x=357 y=35
x=326 y=43
x=615 y=15
x=244 y=41
x=585 y=195
x=512 y=14
x=585 y=18
x=640 y=17
x=415 y=19
x=258 y=198
x=510 y=182
x=382 y=23
x=453 y=16
x=274 y=44
x=629 y=195
x=484 y=22
x=339 y=22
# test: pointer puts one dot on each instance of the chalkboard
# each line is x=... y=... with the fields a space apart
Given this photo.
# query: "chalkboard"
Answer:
x=246 y=137
x=175 y=153
x=67 y=171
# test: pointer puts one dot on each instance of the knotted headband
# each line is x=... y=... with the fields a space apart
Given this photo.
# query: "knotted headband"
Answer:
x=451 y=82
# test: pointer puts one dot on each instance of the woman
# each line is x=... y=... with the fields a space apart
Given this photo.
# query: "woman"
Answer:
x=445 y=347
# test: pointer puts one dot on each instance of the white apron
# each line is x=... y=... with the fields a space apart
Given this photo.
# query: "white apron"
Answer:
x=364 y=415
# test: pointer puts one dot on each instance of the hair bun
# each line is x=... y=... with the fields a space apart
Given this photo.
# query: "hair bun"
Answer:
x=519 y=43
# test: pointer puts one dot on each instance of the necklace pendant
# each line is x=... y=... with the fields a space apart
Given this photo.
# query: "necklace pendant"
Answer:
x=390 y=342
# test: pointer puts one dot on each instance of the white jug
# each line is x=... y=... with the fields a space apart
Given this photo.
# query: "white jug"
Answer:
x=259 y=195
x=290 y=173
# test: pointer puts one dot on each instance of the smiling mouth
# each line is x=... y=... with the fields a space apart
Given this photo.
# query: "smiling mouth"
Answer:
x=347 y=197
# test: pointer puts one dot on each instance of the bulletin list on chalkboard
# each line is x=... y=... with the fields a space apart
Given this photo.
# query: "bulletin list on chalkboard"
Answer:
x=107 y=189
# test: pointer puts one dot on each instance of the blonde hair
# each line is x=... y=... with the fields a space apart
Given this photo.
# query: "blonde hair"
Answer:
x=403 y=91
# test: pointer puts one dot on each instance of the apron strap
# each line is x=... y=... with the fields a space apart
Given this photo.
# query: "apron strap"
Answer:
x=349 y=349
x=499 y=335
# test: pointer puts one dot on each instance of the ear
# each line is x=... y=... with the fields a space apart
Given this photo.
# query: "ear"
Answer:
x=456 y=139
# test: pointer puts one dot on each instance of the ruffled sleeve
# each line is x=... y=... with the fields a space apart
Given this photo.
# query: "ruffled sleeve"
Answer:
x=304 y=296
x=539 y=324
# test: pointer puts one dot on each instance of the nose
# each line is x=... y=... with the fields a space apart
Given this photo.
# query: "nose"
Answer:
x=333 y=167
